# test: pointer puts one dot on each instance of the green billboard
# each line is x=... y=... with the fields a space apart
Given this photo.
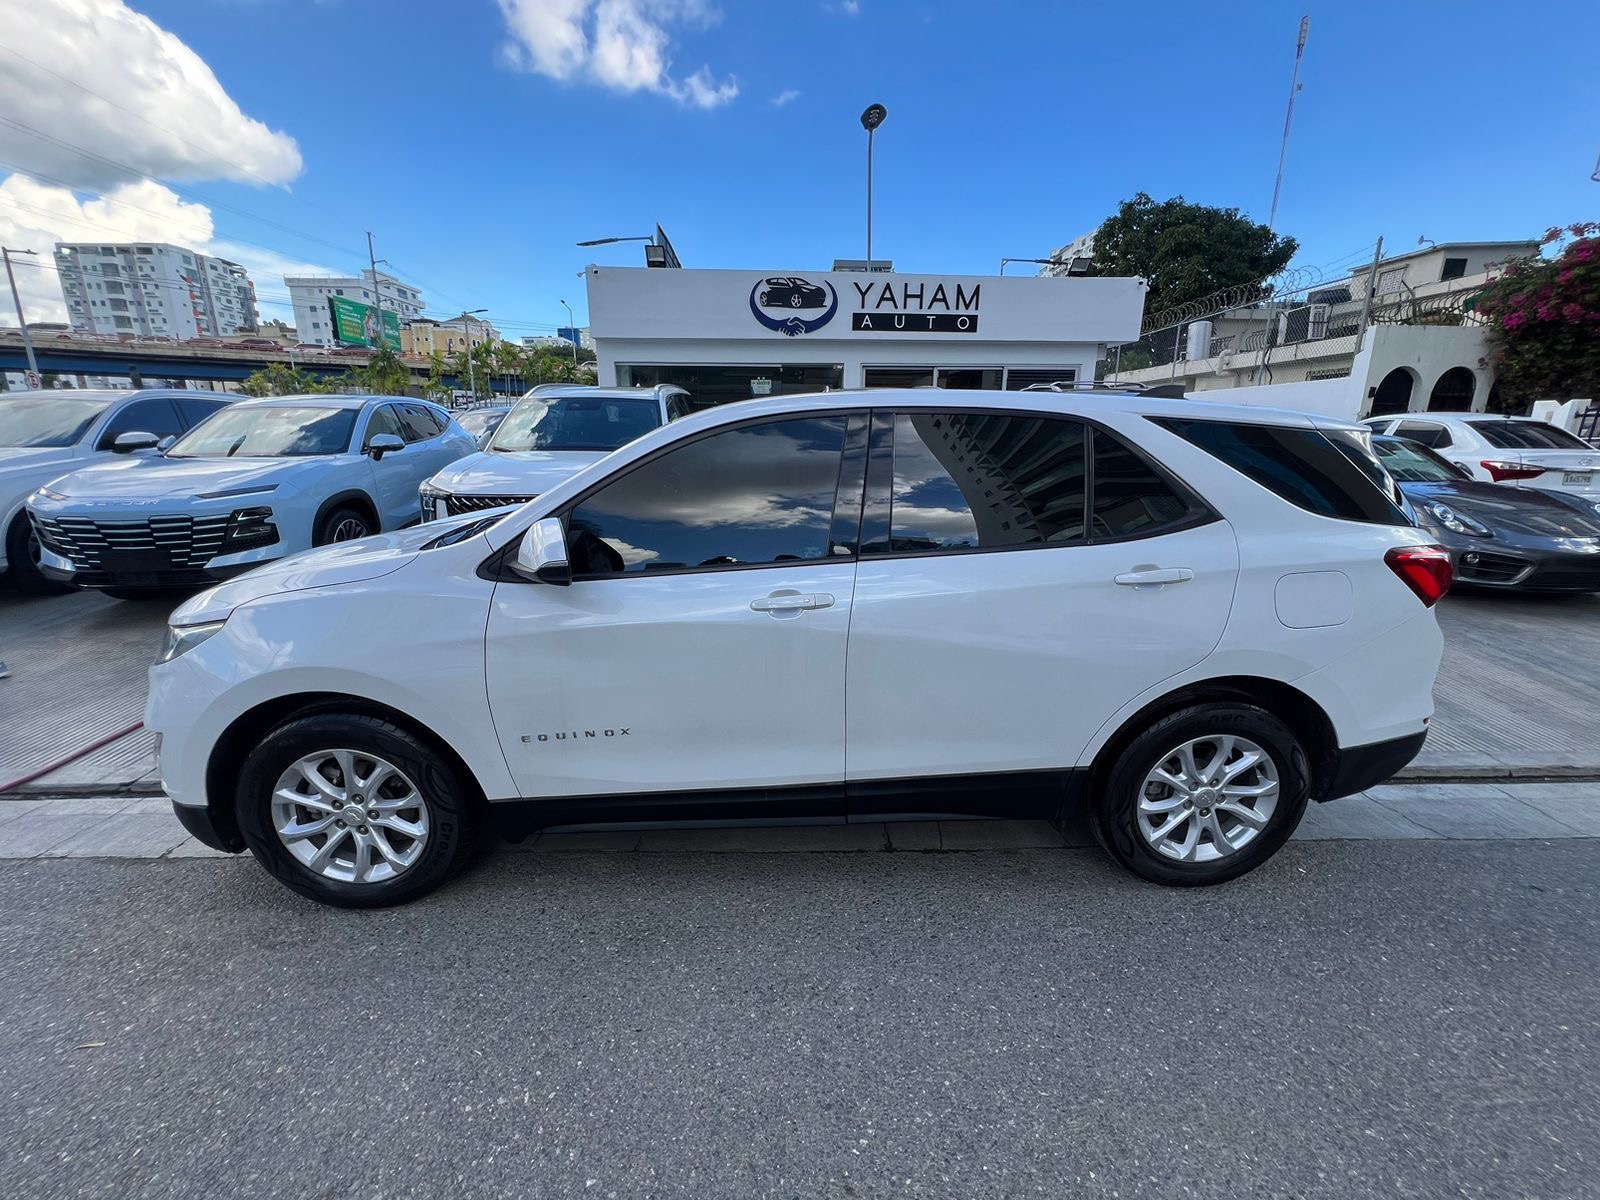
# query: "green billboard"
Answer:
x=358 y=324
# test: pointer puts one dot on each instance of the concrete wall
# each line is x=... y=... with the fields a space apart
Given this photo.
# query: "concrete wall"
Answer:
x=1325 y=397
x=1427 y=352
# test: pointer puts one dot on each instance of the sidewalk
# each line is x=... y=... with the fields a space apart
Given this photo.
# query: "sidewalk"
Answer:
x=143 y=828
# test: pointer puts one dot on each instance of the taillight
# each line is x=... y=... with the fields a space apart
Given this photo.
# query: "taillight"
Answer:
x=1423 y=569
x=1502 y=471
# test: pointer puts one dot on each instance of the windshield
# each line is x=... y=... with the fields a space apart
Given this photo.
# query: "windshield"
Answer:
x=52 y=420
x=479 y=423
x=576 y=422
x=1528 y=435
x=1411 y=463
x=269 y=432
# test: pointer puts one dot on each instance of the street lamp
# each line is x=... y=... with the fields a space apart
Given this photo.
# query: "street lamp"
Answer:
x=655 y=254
x=572 y=324
x=1075 y=266
x=871 y=117
x=34 y=378
x=472 y=370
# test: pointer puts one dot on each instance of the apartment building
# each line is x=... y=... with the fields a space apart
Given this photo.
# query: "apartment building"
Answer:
x=422 y=338
x=154 y=290
x=309 y=295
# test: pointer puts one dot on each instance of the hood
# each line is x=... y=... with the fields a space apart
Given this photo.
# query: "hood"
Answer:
x=1528 y=511
x=327 y=566
x=151 y=477
x=29 y=466
x=513 y=473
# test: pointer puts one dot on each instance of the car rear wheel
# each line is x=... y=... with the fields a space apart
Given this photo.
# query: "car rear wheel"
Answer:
x=22 y=560
x=1203 y=795
x=343 y=524
x=354 y=811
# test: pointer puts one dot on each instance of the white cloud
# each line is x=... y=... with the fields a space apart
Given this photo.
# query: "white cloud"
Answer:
x=163 y=113
x=848 y=8
x=622 y=45
x=787 y=96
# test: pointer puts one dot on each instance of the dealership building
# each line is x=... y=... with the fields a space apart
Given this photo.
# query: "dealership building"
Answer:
x=731 y=335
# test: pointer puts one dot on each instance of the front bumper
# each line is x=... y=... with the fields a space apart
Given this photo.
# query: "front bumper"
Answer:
x=205 y=829
x=1357 y=768
x=1523 y=565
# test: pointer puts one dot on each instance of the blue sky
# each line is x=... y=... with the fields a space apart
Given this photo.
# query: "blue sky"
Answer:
x=1013 y=127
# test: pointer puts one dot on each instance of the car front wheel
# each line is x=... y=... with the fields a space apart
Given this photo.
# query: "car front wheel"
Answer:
x=22 y=558
x=343 y=525
x=354 y=811
x=1203 y=795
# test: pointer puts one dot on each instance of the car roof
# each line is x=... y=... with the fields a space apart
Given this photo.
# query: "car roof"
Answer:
x=117 y=393
x=587 y=390
x=313 y=399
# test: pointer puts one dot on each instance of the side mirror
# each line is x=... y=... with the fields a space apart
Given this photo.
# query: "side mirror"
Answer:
x=384 y=443
x=542 y=555
x=127 y=443
x=167 y=443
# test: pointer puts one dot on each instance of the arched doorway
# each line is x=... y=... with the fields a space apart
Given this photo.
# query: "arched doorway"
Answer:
x=1453 y=392
x=1394 y=393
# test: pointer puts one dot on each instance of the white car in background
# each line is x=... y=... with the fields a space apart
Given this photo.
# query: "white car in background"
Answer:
x=46 y=433
x=553 y=432
x=1190 y=619
x=1501 y=449
x=261 y=480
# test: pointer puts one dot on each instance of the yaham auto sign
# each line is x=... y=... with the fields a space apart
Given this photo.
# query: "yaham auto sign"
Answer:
x=906 y=307
x=358 y=324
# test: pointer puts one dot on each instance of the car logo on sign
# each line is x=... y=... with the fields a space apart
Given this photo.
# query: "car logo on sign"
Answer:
x=784 y=304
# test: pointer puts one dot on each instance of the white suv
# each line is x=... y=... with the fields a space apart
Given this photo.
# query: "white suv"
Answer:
x=1190 y=618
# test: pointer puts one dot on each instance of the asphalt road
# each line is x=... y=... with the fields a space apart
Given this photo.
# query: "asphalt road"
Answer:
x=1355 y=1019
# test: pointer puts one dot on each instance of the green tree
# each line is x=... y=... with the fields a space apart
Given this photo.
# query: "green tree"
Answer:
x=1186 y=251
x=435 y=388
x=1544 y=320
x=382 y=375
x=280 y=379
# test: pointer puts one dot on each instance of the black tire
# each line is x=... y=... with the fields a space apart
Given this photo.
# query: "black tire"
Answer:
x=1113 y=809
x=333 y=525
x=22 y=561
x=453 y=819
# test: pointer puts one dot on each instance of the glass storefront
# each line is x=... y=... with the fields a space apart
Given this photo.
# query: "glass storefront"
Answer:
x=1012 y=379
x=710 y=384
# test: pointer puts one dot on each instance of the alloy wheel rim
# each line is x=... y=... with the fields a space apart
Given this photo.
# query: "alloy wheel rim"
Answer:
x=349 y=529
x=1208 y=798
x=350 y=816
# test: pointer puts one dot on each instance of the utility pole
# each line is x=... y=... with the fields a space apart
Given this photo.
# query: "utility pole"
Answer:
x=377 y=291
x=1366 y=303
x=34 y=378
x=1288 y=118
x=870 y=120
x=572 y=324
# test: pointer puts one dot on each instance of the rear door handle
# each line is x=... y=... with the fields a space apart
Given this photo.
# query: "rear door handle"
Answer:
x=1154 y=576
x=791 y=602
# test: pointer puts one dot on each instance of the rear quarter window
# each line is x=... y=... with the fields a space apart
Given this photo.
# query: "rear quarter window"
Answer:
x=1302 y=466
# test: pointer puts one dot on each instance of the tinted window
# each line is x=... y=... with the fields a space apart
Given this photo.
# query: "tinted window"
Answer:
x=197 y=409
x=1528 y=435
x=576 y=422
x=47 y=419
x=1300 y=465
x=1408 y=462
x=269 y=431
x=977 y=480
x=415 y=423
x=384 y=420
x=1130 y=498
x=157 y=416
x=756 y=494
x=1422 y=431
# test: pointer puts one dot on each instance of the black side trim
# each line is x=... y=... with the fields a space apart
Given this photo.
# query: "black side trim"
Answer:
x=1043 y=795
x=1360 y=767
x=201 y=827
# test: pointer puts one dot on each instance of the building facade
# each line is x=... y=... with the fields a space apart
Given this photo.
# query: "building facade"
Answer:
x=1402 y=338
x=154 y=290
x=309 y=295
x=731 y=335
x=422 y=338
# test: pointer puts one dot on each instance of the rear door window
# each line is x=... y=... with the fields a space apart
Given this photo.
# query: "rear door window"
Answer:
x=194 y=410
x=1425 y=432
x=416 y=424
x=1301 y=465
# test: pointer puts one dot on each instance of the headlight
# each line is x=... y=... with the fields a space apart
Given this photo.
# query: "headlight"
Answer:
x=44 y=491
x=1457 y=522
x=435 y=507
x=249 y=527
x=183 y=638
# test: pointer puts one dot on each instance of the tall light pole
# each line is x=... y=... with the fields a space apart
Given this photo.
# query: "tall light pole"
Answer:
x=1288 y=118
x=871 y=118
x=572 y=324
x=34 y=378
x=472 y=369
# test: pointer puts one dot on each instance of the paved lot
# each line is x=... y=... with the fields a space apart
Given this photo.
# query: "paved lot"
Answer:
x=1518 y=690
x=1391 y=1018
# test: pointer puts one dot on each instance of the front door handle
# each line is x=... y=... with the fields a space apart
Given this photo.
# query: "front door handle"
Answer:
x=1153 y=576
x=791 y=602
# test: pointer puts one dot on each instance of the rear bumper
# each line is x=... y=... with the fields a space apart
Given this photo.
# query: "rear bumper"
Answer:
x=1357 y=768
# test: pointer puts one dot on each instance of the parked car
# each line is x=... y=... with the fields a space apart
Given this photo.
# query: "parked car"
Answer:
x=545 y=438
x=1502 y=537
x=258 y=344
x=259 y=481
x=790 y=291
x=46 y=433
x=1499 y=449
x=1190 y=618
x=482 y=422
